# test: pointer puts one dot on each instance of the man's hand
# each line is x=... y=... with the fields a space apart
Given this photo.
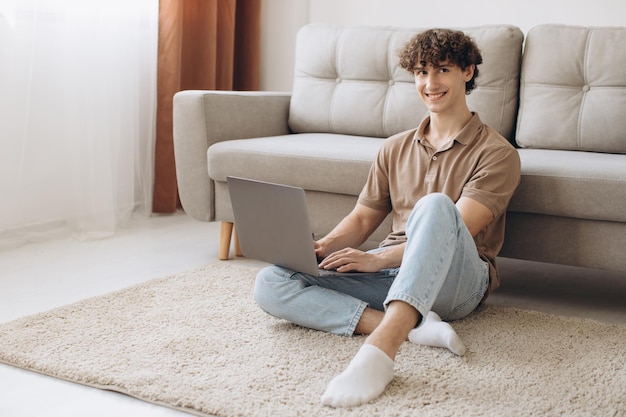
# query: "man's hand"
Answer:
x=320 y=251
x=348 y=259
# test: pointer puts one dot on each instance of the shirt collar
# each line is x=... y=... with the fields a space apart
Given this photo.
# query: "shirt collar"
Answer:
x=465 y=136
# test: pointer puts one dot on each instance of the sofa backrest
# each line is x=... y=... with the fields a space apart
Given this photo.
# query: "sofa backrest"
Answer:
x=573 y=89
x=347 y=80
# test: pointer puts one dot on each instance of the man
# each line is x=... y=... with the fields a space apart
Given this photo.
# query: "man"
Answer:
x=447 y=184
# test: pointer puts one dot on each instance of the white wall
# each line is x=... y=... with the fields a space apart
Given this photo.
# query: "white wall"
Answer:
x=282 y=18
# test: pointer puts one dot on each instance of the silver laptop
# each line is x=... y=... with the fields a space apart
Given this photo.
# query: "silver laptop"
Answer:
x=273 y=225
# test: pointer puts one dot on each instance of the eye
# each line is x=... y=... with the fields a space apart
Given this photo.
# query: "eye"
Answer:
x=444 y=69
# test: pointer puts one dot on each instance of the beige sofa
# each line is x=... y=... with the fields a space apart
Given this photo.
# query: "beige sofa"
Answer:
x=562 y=102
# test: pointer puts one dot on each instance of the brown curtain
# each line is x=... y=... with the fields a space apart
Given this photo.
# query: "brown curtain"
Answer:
x=203 y=45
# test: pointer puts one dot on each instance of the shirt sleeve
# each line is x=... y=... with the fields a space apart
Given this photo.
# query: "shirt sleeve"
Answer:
x=376 y=193
x=495 y=179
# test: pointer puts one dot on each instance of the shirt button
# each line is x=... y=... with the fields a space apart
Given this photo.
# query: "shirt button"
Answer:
x=435 y=158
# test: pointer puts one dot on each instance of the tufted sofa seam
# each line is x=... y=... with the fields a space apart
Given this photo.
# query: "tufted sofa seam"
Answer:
x=582 y=179
x=385 y=116
x=297 y=156
x=331 y=109
x=505 y=89
x=579 y=127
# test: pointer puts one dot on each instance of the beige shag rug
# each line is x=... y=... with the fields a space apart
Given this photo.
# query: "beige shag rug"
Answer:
x=196 y=342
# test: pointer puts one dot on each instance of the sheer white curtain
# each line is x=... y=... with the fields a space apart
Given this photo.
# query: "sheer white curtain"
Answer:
x=77 y=116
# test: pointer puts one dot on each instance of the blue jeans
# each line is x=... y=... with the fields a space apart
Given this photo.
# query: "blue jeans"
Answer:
x=441 y=271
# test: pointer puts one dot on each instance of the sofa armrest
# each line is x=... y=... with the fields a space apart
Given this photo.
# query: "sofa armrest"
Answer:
x=202 y=118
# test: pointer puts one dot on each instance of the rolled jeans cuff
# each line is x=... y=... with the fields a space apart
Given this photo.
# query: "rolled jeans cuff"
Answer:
x=356 y=318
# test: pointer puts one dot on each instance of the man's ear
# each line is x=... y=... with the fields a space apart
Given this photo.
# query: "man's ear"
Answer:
x=469 y=72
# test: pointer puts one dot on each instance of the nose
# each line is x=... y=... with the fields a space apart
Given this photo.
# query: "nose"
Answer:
x=429 y=81
x=433 y=78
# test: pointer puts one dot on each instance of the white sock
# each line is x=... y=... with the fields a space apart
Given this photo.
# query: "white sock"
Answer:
x=435 y=332
x=363 y=380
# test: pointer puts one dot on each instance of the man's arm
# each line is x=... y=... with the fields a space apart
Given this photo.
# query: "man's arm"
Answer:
x=475 y=215
x=352 y=231
x=337 y=247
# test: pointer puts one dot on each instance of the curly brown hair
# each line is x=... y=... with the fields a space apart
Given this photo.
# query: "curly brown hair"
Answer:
x=435 y=46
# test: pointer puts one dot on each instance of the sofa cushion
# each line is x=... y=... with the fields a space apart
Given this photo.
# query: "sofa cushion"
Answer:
x=347 y=80
x=583 y=185
x=573 y=89
x=317 y=162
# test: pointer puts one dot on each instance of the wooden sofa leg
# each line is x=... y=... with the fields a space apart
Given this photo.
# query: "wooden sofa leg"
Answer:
x=236 y=242
x=225 y=234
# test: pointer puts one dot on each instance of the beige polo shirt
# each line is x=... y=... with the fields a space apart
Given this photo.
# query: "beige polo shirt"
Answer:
x=479 y=163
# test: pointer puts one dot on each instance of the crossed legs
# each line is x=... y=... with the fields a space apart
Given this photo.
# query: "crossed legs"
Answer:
x=441 y=271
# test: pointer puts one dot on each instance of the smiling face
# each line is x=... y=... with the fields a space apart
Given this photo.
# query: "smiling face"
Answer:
x=441 y=48
x=442 y=87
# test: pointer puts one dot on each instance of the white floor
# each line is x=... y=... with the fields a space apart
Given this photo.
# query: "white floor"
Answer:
x=38 y=277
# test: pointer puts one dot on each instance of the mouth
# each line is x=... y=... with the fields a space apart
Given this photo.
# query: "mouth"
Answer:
x=435 y=96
